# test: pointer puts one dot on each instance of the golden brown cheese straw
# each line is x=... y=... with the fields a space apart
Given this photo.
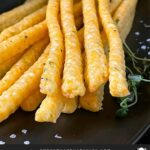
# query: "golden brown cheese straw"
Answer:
x=126 y=11
x=4 y=67
x=70 y=105
x=20 y=42
x=33 y=101
x=114 y=5
x=90 y=100
x=73 y=84
x=51 y=77
x=25 y=23
x=11 y=99
x=53 y=104
x=13 y=16
x=117 y=75
x=49 y=82
x=23 y=64
x=51 y=108
x=96 y=72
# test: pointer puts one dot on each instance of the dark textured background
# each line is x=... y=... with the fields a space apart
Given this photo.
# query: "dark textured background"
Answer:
x=9 y=4
x=81 y=126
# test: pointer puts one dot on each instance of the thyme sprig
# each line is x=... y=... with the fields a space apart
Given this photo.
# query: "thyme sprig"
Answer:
x=135 y=60
x=134 y=80
x=129 y=51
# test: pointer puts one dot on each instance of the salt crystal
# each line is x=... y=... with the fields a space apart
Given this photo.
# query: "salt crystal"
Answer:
x=143 y=47
x=12 y=136
x=140 y=42
x=26 y=142
x=57 y=136
x=146 y=25
x=137 y=33
x=141 y=21
x=24 y=131
x=2 y=142
x=148 y=40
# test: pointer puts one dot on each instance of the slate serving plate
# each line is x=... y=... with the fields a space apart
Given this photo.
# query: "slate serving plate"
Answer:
x=84 y=127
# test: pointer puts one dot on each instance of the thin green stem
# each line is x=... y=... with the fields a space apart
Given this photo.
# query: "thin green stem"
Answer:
x=131 y=53
x=145 y=80
x=135 y=67
x=129 y=70
x=138 y=58
x=123 y=104
x=136 y=97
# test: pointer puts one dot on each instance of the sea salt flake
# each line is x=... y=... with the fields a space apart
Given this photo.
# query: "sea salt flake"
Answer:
x=2 y=142
x=58 y=136
x=143 y=47
x=141 y=21
x=12 y=136
x=24 y=131
x=137 y=33
x=140 y=43
x=146 y=25
x=26 y=142
x=148 y=40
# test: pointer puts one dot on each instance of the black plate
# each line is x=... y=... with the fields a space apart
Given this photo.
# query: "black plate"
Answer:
x=84 y=127
x=9 y=4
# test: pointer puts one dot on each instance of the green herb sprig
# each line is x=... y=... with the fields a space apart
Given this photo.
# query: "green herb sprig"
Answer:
x=134 y=80
x=135 y=60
